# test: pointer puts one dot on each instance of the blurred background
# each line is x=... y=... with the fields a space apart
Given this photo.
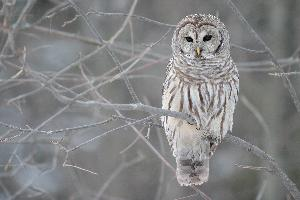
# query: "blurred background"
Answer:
x=54 y=147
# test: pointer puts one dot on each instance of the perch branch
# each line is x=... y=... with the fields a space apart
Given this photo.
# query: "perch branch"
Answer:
x=286 y=181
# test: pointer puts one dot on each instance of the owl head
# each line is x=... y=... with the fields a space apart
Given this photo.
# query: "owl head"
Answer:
x=200 y=37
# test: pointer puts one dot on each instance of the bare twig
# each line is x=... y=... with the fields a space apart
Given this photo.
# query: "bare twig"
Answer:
x=131 y=144
x=138 y=17
x=110 y=131
x=246 y=49
x=124 y=24
x=261 y=121
x=255 y=168
x=65 y=164
x=286 y=80
x=107 y=48
x=261 y=191
x=31 y=181
x=285 y=180
x=10 y=41
x=63 y=70
x=140 y=107
x=50 y=132
x=282 y=74
x=118 y=170
x=25 y=10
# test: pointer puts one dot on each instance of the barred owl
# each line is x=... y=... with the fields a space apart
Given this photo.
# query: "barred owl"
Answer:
x=203 y=81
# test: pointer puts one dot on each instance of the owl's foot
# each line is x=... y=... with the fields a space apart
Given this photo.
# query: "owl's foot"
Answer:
x=213 y=148
x=214 y=141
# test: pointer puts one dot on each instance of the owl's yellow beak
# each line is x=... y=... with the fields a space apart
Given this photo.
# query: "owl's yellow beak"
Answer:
x=198 y=51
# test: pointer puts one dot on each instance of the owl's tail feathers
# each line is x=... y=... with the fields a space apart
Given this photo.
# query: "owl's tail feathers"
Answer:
x=192 y=172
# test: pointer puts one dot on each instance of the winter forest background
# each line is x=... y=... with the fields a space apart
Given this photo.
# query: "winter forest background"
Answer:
x=67 y=67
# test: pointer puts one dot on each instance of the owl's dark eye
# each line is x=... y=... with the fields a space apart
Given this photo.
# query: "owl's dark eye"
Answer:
x=189 y=39
x=207 y=38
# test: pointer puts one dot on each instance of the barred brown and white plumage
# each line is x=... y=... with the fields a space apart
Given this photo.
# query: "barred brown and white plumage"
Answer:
x=203 y=81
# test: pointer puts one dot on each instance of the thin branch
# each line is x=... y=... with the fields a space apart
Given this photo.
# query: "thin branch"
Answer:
x=80 y=168
x=282 y=74
x=50 y=13
x=118 y=170
x=50 y=132
x=248 y=50
x=286 y=80
x=65 y=34
x=243 y=66
x=138 y=17
x=255 y=168
x=65 y=164
x=31 y=181
x=107 y=48
x=63 y=70
x=110 y=131
x=131 y=144
x=139 y=107
x=261 y=191
x=10 y=41
x=262 y=122
x=124 y=24
x=25 y=10
x=285 y=180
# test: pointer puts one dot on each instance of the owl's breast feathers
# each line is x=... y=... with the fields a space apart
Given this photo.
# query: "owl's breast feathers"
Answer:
x=210 y=101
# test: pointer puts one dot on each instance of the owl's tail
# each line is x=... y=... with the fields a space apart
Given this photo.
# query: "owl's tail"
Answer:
x=192 y=171
x=192 y=153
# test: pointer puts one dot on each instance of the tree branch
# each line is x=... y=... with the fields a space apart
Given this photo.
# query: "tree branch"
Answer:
x=286 y=81
x=285 y=180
